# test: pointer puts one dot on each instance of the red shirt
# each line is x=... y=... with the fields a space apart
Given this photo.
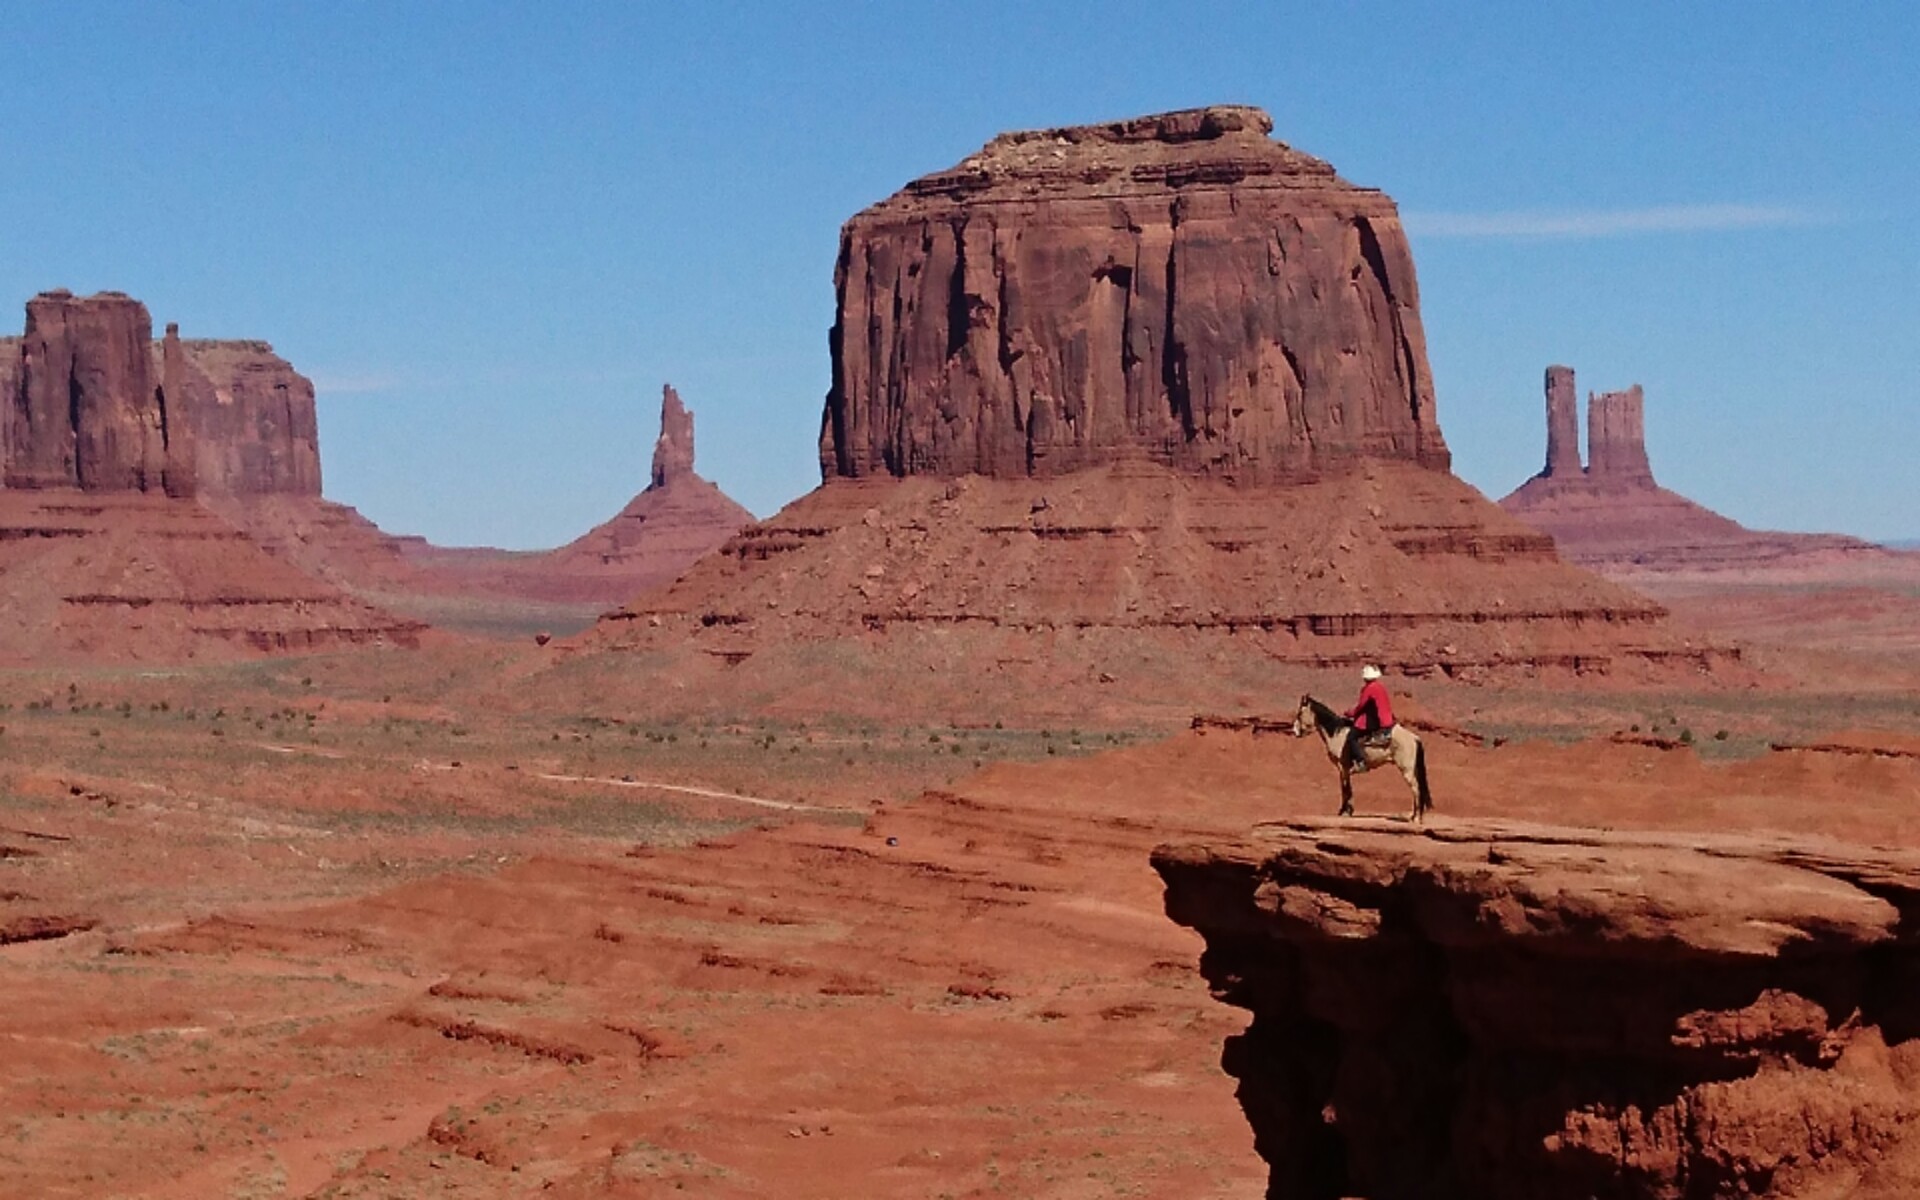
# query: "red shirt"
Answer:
x=1374 y=711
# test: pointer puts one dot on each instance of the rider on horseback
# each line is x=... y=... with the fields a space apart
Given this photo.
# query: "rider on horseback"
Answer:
x=1372 y=717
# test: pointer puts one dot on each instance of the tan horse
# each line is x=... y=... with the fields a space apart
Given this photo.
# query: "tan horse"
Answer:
x=1403 y=750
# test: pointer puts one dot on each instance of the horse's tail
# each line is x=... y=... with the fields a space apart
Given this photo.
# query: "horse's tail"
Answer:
x=1420 y=775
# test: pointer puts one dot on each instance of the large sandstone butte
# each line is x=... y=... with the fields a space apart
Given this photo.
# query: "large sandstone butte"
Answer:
x=89 y=400
x=679 y=517
x=1159 y=386
x=1178 y=288
x=80 y=404
x=1496 y=1010
x=1612 y=516
x=106 y=436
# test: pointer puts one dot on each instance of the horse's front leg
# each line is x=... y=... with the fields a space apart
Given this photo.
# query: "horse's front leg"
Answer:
x=1346 y=791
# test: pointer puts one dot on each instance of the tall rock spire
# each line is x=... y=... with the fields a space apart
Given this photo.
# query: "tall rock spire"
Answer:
x=181 y=475
x=673 y=453
x=1563 y=424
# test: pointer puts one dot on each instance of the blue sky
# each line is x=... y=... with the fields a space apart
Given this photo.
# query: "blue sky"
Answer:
x=490 y=231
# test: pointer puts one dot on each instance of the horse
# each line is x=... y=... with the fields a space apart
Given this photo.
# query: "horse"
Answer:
x=1403 y=750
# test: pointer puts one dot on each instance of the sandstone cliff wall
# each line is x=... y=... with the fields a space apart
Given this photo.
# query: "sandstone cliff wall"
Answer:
x=1177 y=288
x=12 y=350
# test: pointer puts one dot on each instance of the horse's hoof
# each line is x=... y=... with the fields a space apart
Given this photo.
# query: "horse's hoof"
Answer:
x=1346 y=810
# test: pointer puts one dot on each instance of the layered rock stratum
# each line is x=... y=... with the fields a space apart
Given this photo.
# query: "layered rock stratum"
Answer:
x=89 y=576
x=1143 y=383
x=1612 y=516
x=1178 y=288
x=1490 y=1010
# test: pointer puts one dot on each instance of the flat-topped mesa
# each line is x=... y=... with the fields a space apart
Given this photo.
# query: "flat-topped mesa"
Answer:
x=82 y=410
x=1617 y=437
x=1178 y=288
x=673 y=451
x=1563 y=425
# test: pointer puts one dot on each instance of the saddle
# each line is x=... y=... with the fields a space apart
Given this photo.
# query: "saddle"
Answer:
x=1361 y=741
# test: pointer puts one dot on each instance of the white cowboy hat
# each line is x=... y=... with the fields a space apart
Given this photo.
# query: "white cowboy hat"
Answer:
x=1369 y=672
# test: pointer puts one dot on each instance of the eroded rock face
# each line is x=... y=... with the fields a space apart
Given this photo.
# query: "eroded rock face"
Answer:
x=83 y=412
x=1178 y=288
x=673 y=451
x=250 y=415
x=1492 y=1010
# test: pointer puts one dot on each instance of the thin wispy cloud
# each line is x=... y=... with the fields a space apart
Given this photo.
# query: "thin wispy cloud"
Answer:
x=1618 y=222
x=349 y=383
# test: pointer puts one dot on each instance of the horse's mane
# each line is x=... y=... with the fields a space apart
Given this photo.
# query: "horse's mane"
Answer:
x=1327 y=717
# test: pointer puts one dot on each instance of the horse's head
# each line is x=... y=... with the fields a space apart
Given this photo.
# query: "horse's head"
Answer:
x=1303 y=721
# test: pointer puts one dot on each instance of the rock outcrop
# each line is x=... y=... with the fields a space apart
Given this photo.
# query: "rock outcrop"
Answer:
x=83 y=411
x=107 y=433
x=1507 y=1011
x=1177 y=288
x=1611 y=515
x=11 y=364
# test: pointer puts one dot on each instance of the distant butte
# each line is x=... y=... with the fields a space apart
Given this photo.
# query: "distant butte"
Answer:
x=1612 y=516
x=678 y=518
x=1147 y=392
x=104 y=438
